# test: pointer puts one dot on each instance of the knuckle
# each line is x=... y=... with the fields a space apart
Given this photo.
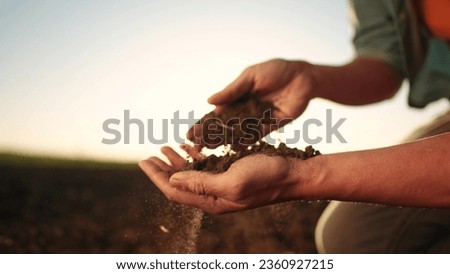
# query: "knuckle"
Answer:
x=198 y=187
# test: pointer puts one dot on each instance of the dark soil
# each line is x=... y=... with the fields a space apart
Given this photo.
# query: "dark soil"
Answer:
x=52 y=209
x=239 y=124
x=221 y=164
x=239 y=127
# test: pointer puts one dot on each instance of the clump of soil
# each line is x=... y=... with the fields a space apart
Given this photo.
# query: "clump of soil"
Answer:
x=239 y=128
x=221 y=164
x=239 y=125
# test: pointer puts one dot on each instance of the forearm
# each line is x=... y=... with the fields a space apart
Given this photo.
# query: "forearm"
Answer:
x=363 y=81
x=411 y=174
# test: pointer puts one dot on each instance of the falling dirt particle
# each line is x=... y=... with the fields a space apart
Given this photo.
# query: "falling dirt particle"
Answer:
x=164 y=229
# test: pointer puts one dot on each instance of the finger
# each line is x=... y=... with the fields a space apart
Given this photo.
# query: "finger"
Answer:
x=194 y=132
x=279 y=123
x=175 y=159
x=161 y=179
x=208 y=203
x=266 y=129
x=163 y=165
x=215 y=205
x=198 y=139
x=157 y=175
x=200 y=183
x=243 y=84
x=193 y=152
x=283 y=118
x=219 y=109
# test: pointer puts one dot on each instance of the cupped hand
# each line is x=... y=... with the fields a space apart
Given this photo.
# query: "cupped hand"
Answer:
x=288 y=85
x=250 y=182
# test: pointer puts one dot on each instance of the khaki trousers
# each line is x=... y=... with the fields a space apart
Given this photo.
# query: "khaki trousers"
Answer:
x=346 y=227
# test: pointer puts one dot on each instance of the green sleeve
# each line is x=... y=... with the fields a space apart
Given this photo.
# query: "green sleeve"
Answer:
x=376 y=34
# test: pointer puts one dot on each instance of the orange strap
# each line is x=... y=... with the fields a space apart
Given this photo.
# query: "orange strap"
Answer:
x=436 y=14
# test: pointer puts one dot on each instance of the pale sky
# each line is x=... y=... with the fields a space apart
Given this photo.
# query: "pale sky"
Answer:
x=66 y=66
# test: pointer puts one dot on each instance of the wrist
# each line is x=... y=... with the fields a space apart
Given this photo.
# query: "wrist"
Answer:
x=309 y=178
x=319 y=80
x=304 y=75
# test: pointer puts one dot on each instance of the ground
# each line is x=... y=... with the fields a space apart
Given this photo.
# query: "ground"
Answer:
x=82 y=207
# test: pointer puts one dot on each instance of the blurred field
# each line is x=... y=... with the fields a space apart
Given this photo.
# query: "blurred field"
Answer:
x=64 y=206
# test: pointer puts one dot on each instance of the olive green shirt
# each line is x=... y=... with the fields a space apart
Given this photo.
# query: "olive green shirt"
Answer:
x=391 y=31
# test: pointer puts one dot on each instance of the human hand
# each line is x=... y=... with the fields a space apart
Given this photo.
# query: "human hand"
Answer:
x=250 y=182
x=286 y=84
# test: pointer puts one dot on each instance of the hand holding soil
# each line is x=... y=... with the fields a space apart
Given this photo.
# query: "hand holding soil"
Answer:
x=238 y=126
x=245 y=176
x=250 y=182
x=285 y=85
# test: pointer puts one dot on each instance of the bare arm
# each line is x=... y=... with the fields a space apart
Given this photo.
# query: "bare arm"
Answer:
x=411 y=174
x=362 y=81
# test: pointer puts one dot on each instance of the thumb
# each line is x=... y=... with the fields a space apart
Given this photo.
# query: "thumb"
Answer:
x=242 y=85
x=200 y=183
